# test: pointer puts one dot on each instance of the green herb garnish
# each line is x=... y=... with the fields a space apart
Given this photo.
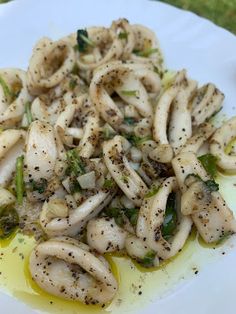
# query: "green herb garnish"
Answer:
x=129 y=120
x=72 y=84
x=40 y=186
x=108 y=184
x=170 y=220
x=75 y=165
x=129 y=92
x=145 y=53
x=152 y=191
x=123 y=35
x=6 y=90
x=132 y=215
x=148 y=260
x=19 y=179
x=209 y=163
x=212 y=185
x=74 y=185
x=83 y=40
x=28 y=112
x=115 y=213
x=135 y=140
x=9 y=221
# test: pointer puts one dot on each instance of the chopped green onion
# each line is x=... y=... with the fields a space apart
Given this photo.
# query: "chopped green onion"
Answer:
x=115 y=213
x=108 y=184
x=145 y=53
x=75 y=164
x=108 y=132
x=153 y=191
x=19 y=179
x=72 y=84
x=39 y=186
x=83 y=41
x=28 y=113
x=129 y=92
x=129 y=120
x=5 y=88
x=148 y=260
x=9 y=220
x=123 y=35
x=170 y=220
x=230 y=146
x=74 y=185
x=209 y=163
x=212 y=185
x=132 y=214
x=135 y=140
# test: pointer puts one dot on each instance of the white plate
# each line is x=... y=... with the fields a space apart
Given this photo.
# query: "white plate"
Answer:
x=205 y=50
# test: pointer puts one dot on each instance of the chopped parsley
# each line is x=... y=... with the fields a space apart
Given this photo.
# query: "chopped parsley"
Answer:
x=209 y=163
x=83 y=41
x=145 y=53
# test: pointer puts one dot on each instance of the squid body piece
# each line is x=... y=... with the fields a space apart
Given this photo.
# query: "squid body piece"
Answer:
x=41 y=151
x=222 y=138
x=194 y=143
x=71 y=222
x=101 y=53
x=164 y=151
x=180 y=124
x=49 y=64
x=207 y=102
x=209 y=212
x=151 y=218
x=67 y=268
x=11 y=147
x=13 y=96
x=122 y=26
x=115 y=76
x=82 y=107
x=121 y=171
x=104 y=235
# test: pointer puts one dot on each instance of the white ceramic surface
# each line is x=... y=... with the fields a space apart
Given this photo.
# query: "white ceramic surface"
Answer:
x=205 y=50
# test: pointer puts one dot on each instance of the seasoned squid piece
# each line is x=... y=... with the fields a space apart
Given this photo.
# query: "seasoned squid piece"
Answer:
x=119 y=78
x=57 y=218
x=49 y=64
x=164 y=152
x=11 y=147
x=81 y=110
x=220 y=141
x=13 y=96
x=104 y=46
x=121 y=171
x=104 y=235
x=41 y=151
x=125 y=33
x=151 y=218
x=207 y=102
x=180 y=124
x=146 y=48
x=201 y=199
x=140 y=251
x=69 y=269
x=194 y=143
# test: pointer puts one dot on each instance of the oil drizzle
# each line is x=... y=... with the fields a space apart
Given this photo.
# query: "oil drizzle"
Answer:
x=137 y=286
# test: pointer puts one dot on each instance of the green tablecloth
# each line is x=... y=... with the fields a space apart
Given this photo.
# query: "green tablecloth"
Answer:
x=221 y=12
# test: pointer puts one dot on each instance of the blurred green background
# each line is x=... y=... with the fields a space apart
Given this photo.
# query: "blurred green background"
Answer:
x=221 y=12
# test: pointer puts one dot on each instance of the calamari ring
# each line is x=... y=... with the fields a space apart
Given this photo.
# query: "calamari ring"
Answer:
x=56 y=266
